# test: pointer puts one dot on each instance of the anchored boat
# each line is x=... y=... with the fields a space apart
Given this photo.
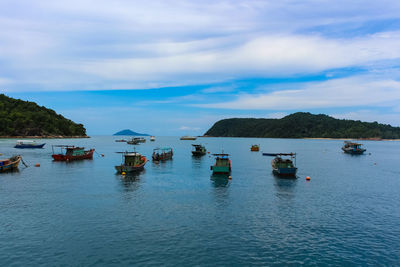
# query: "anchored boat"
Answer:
x=28 y=144
x=69 y=153
x=255 y=148
x=283 y=166
x=162 y=154
x=222 y=164
x=152 y=138
x=199 y=150
x=133 y=161
x=353 y=148
x=187 y=137
x=9 y=164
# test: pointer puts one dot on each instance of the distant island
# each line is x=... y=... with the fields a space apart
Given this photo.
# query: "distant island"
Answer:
x=303 y=125
x=21 y=119
x=130 y=132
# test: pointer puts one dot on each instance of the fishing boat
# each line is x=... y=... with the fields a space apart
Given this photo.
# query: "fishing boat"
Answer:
x=132 y=161
x=69 y=153
x=136 y=141
x=187 y=137
x=199 y=150
x=222 y=164
x=283 y=166
x=9 y=164
x=353 y=148
x=120 y=140
x=255 y=148
x=28 y=144
x=160 y=154
x=140 y=139
x=152 y=138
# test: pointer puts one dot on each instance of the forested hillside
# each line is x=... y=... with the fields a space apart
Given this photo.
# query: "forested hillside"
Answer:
x=24 y=118
x=302 y=125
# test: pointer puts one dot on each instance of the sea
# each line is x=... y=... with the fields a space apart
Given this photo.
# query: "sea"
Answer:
x=176 y=213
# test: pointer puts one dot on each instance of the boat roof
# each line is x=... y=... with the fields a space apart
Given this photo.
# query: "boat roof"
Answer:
x=279 y=154
x=353 y=143
x=221 y=154
x=26 y=141
x=196 y=145
x=162 y=148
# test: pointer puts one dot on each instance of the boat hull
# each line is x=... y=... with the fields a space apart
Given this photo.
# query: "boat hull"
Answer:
x=290 y=172
x=221 y=169
x=63 y=157
x=354 y=151
x=10 y=166
x=198 y=153
x=30 y=146
x=124 y=168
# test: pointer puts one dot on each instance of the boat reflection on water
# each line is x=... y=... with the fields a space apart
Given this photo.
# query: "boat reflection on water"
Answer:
x=285 y=187
x=220 y=180
x=131 y=181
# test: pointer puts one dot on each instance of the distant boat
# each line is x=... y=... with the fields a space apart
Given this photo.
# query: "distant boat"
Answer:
x=199 y=150
x=133 y=161
x=160 y=154
x=222 y=164
x=255 y=148
x=120 y=140
x=28 y=144
x=9 y=164
x=152 y=138
x=281 y=166
x=136 y=140
x=72 y=153
x=353 y=148
x=187 y=137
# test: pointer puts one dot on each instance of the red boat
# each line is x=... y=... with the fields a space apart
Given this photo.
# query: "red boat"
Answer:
x=72 y=153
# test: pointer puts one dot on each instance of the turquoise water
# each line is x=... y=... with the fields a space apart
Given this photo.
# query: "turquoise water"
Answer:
x=176 y=213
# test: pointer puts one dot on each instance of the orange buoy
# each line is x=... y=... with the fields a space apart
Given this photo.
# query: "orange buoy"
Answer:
x=37 y=165
x=308 y=178
x=102 y=155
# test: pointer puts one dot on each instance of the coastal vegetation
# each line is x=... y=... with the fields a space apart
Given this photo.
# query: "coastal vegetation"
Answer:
x=302 y=125
x=23 y=118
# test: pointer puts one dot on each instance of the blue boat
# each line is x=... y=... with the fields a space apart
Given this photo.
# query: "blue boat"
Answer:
x=353 y=148
x=28 y=144
x=282 y=166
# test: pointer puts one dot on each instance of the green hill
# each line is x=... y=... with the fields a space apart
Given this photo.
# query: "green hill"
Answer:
x=302 y=125
x=24 y=118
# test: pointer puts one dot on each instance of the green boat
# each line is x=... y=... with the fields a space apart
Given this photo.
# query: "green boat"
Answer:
x=199 y=150
x=222 y=164
x=133 y=161
x=283 y=166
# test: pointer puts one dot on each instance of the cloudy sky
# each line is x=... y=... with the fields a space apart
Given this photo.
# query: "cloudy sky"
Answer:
x=175 y=67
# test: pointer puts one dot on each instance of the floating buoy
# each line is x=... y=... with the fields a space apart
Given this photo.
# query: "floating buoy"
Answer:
x=102 y=155
x=37 y=165
x=230 y=177
x=375 y=163
x=308 y=178
x=123 y=173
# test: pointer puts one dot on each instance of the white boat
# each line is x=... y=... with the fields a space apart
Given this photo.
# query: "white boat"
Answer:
x=152 y=138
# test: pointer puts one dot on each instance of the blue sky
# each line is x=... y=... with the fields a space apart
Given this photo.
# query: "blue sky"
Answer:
x=176 y=67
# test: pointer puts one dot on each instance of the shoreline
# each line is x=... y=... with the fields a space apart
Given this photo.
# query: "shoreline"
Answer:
x=44 y=137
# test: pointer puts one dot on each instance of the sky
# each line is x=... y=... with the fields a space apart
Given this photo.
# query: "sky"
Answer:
x=176 y=67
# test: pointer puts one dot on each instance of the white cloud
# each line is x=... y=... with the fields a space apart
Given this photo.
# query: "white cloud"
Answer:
x=345 y=92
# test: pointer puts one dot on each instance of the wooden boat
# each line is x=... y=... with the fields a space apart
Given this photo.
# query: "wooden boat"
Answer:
x=199 y=150
x=282 y=166
x=28 y=144
x=133 y=161
x=152 y=138
x=160 y=154
x=136 y=141
x=222 y=164
x=9 y=164
x=255 y=148
x=72 y=153
x=120 y=140
x=187 y=137
x=353 y=148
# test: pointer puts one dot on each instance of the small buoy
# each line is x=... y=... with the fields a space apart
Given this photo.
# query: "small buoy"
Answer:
x=102 y=155
x=123 y=173
x=230 y=177
x=308 y=178
x=37 y=165
x=375 y=163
